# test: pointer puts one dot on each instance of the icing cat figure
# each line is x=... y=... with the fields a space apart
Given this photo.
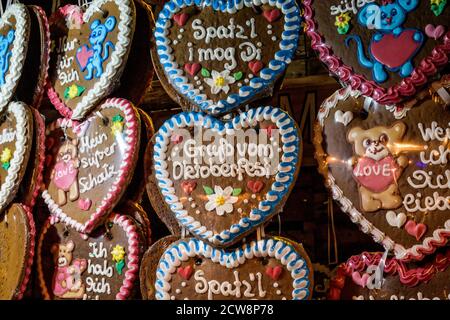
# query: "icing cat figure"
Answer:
x=392 y=47
x=100 y=50
x=375 y=168
x=5 y=54
x=65 y=172
x=67 y=278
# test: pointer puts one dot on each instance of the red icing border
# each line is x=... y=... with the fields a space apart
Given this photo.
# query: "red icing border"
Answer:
x=395 y=94
x=409 y=277
x=133 y=255
x=132 y=120
x=29 y=262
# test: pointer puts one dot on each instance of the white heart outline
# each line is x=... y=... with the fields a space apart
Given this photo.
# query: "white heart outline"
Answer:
x=396 y=220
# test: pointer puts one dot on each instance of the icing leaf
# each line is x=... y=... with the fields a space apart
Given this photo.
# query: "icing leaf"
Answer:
x=119 y=266
x=208 y=190
x=205 y=73
x=238 y=75
x=344 y=29
x=438 y=7
x=237 y=191
x=5 y=165
x=117 y=118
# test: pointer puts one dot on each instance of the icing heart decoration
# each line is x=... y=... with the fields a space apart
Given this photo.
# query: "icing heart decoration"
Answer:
x=361 y=47
x=395 y=220
x=235 y=267
x=90 y=163
x=16 y=134
x=388 y=165
x=14 y=37
x=17 y=232
x=107 y=260
x=90 y=51
x=360 y=280
x=223 y=207
x=344 y=118
x=218 y=56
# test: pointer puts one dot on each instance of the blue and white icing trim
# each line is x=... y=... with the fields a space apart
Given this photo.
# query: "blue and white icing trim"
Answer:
x=186 y=249
x=283 y=179
x=275 y=67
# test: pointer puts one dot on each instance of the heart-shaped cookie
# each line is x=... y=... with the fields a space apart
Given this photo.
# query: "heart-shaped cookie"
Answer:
x=103 y=266
x=222 y=158
x=381 y=48
x=14 y=34
x=89 y=164
x=388 y=169
x=396 y=281
x=218 y=56
x=17 y=233
x=191 y=268
x=89 y=53
x=16 y=133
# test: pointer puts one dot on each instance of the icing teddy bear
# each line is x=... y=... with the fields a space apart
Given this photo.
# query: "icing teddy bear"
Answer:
x=65 y=172
x=377 y=166
x=5 y=54
x=100 y=50
x=388 y=19
x=67 y=278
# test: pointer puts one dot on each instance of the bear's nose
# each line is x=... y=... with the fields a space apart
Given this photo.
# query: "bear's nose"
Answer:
x=389 y=20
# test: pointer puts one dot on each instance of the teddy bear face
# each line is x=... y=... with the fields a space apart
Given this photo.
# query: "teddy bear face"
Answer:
x=376 y=143
x=63 y=254
x=68 y=151
x=99 y=31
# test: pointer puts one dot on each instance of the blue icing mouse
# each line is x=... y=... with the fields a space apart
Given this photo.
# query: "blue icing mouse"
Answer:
x=100 y=50
x=392 y=47
x=5 y=53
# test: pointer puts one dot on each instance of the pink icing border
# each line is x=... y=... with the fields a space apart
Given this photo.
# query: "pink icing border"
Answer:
x=111 y=198
x=408 y=277
x=395 y=94
x=29 y=262
x=133 y=255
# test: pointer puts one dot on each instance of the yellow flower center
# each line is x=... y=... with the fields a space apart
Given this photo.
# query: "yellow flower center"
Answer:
x=220 y=201
x=220 y=81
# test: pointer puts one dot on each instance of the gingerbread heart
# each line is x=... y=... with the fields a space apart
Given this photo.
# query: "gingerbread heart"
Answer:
x=239 y=273
x=385 y=49
x=396 y=281
x=14 y=34
x=16 y=133
x=218 y=56
x=103 y=266
x=388 y=169
x=89 y=53
x=89 y=164
x=17 y=233
x=221 y=158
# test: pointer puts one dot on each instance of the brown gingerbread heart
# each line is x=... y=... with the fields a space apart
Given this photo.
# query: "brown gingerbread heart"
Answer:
x=387 y=166
x=17 y=232
x=90 y=49
x=103 y=266
x=89 y=164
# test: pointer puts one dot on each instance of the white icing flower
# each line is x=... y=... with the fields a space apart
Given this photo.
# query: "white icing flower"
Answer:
x=220 y=81
x=221 y=200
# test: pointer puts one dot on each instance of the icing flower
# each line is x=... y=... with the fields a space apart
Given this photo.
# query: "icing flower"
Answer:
x=5 y=157
x=118 y=256
x=343 y=22
x=117 y=125
x=437 y=6
x=220 y=81
x=221 y=200
x=73 y=91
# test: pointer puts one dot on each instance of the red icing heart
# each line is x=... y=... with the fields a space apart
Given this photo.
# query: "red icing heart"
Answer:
x=386 y=50
x=84 y=204
x=274 y=272
x=185 y=272
x=192 y=68
x=271 y=15
x=270 y=129
x=181 y=18
x=255 y=66
x=176 y=139
x=83 y=55
x=376 y=176
x=416 y=230
x=188 y=186
x=255 y=185
x=360 y=280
